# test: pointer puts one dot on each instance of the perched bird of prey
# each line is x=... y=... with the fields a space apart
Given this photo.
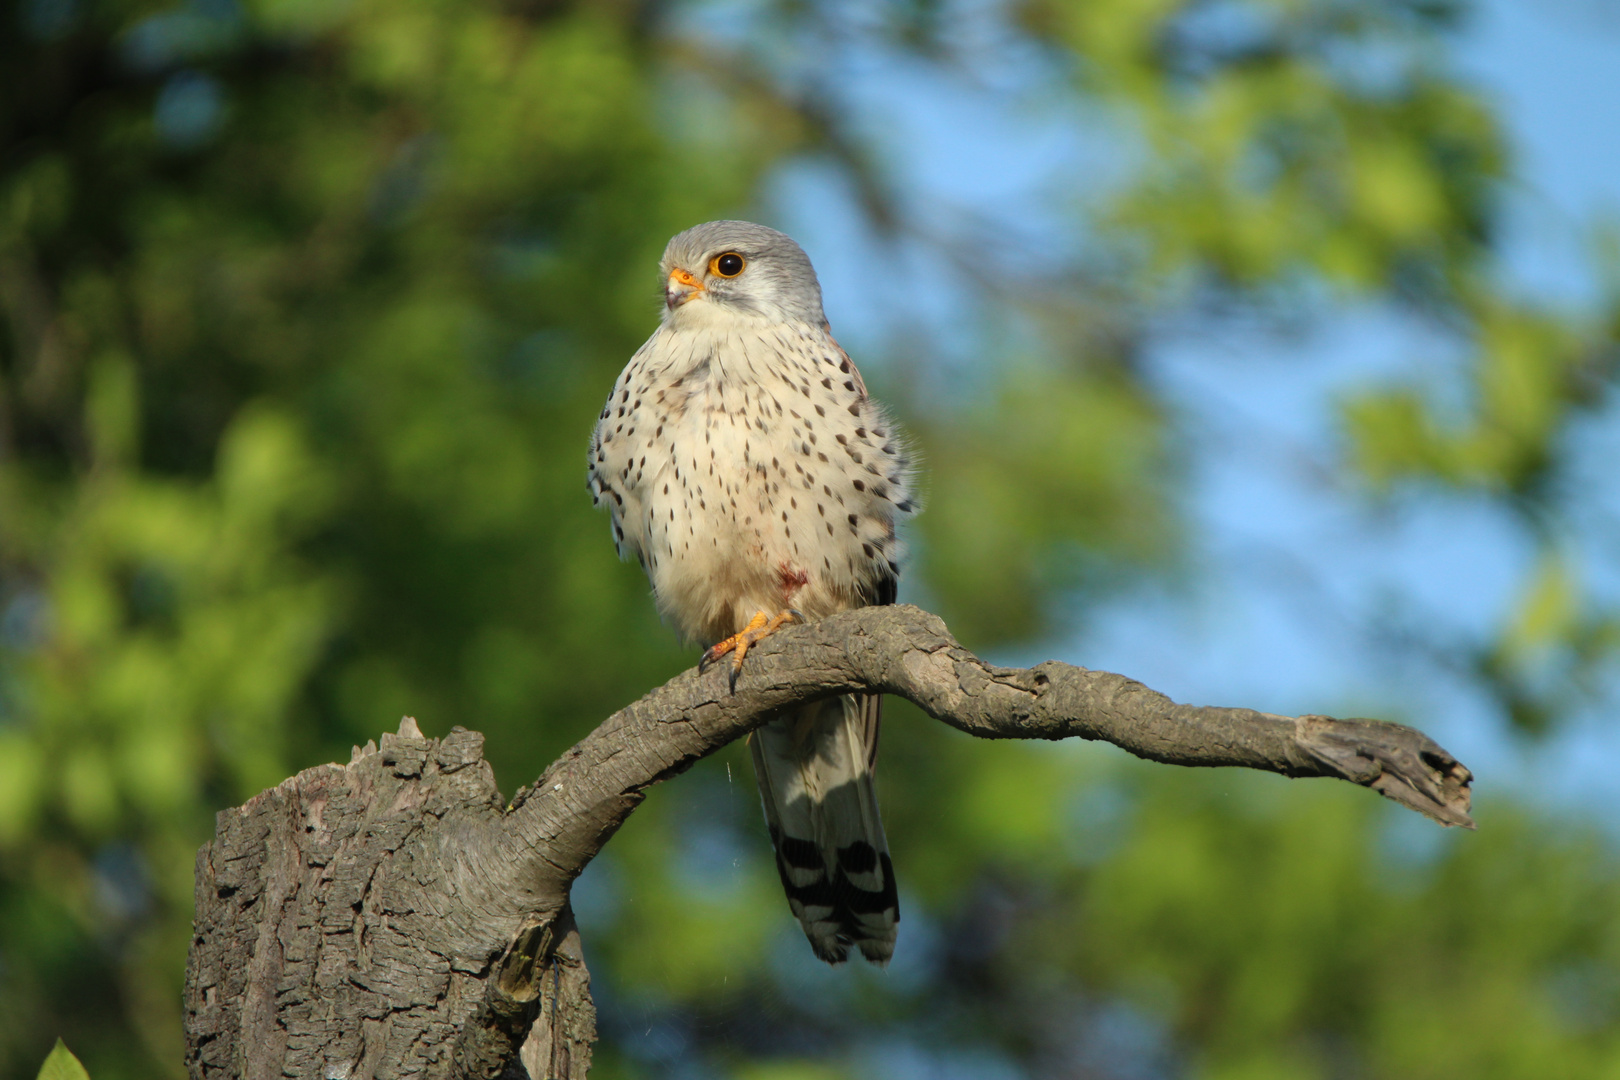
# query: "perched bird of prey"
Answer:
x=746 y=468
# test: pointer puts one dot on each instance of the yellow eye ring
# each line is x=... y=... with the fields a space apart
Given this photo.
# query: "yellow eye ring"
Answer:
x=727 y=264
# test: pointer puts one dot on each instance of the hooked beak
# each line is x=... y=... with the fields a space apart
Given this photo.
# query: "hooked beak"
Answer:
x=680 y=288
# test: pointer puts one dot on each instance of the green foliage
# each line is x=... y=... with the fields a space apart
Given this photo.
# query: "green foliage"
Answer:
x=1295 y=939
x=1055 y=483
x=1532 y=371
x=60 y=1064
x=306 y=310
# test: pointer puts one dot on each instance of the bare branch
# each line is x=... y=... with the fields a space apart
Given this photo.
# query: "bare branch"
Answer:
x=902 y=650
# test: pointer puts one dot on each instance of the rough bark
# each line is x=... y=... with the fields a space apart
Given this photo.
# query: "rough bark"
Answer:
x=395 y=917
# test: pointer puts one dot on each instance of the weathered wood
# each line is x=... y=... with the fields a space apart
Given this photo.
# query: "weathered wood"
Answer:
x=394 y=918
x=347 y=920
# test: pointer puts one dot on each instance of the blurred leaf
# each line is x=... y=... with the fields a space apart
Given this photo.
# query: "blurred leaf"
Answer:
x=1057 y=484
x=1547 y=612
x=60 y=1064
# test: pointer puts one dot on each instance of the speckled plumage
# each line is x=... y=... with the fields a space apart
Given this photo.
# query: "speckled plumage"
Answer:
x=745 y=466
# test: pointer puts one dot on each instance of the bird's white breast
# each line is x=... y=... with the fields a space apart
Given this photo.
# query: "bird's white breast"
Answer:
x=749 y=470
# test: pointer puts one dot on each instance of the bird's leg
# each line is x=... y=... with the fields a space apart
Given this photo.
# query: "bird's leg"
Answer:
x=734 y=642
x=759 y=627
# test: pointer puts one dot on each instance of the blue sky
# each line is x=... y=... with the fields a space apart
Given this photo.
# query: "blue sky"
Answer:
x=1291 y=569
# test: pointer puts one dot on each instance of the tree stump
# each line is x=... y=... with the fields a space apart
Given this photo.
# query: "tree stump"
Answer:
x=349 y=924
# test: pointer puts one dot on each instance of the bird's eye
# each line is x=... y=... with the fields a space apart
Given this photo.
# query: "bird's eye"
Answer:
x=730 y=264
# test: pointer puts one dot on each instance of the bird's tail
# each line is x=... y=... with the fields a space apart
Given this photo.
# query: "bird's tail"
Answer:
x=815 y=768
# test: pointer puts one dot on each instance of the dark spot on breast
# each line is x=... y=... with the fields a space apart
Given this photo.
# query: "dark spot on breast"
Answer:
x=844 y=367
x=869 y=552
x=859 y=486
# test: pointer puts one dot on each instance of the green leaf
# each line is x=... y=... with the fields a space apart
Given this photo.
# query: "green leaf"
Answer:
x=60 y=1064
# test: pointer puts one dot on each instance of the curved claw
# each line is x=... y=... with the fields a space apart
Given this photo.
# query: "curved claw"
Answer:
x=759 y=627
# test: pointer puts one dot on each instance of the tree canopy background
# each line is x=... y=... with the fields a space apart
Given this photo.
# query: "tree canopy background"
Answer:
x=306 y=309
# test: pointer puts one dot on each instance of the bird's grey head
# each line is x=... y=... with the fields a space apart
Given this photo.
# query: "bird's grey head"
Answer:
x=726 y=270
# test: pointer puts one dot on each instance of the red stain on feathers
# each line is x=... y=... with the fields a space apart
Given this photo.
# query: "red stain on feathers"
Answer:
x=792 y=579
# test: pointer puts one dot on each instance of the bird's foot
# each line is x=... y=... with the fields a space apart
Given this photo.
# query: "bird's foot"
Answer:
x=759 y=627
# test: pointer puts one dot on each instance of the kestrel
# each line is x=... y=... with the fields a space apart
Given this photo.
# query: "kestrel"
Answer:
x=746 y=468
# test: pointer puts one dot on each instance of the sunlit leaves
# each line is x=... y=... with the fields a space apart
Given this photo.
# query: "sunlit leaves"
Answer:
x=62 y=1065
x=1528 y=378
x=1054 y=484
x=1283 y=937
x=1282 y=139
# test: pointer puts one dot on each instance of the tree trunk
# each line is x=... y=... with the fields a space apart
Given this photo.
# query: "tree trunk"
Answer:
x=394 y=917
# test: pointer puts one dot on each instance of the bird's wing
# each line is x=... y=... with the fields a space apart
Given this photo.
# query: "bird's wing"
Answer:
x=611 y=458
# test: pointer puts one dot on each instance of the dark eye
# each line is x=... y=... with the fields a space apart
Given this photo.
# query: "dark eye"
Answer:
x=729 y=264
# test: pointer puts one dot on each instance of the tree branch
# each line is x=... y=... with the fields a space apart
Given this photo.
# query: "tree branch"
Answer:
x=902 y=650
